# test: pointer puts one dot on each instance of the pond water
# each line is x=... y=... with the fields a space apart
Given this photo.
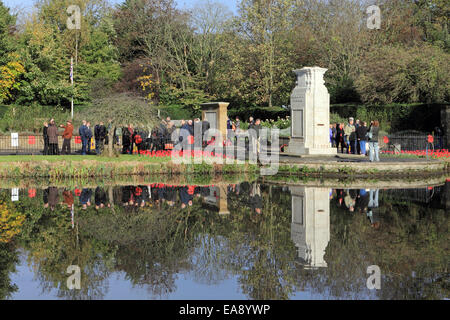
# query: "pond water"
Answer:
x=227 y=241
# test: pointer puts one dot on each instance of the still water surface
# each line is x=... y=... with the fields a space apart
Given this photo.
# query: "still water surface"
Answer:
x=235 y=241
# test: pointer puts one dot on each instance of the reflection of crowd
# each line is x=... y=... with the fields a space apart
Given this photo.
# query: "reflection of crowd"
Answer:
x=154 y=195
x=363 y=201
x=51 y=198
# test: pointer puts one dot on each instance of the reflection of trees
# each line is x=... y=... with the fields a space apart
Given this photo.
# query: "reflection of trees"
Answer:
x=151 y=245
x=259 y=248
x=207 y=257
x=8 y=260
x=412 y=239
x=53 y=246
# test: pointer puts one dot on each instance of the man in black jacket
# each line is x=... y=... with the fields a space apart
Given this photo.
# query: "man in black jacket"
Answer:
x=45 y=136
x=100 y=135
x=361 y=133
x=205 y=128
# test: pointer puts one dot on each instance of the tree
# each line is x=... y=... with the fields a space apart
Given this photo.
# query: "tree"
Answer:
x=46 y=46
x=120 y=110
x=209 y=21
x=7 y=26
x=396 y=74
x=261 y=27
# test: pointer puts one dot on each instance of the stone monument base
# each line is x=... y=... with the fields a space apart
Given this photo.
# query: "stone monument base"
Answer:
x=298 y=148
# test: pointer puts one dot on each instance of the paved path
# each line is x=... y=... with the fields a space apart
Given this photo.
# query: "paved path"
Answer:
x=289 y=158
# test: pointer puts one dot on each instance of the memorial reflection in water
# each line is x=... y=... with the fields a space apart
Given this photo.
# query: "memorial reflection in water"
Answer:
x=266 y=241
x=311 y=224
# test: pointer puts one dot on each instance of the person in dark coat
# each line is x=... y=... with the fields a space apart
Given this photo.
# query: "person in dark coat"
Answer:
x=361 y=135
x=162 y=134
x=374 y=150
x=127 y=139
x=52 y=132
x=138 y=138
x=184 y=135
x=45 y=197
x=100 y=198
x=99 y=136
x=45 y=136
x=362 y=201
x=130 y=130
x=340 y=140
x=205 y=127
x=83 y=135
x=171 y=195
x=53 y=197
x=85 y=198
x=185 y=197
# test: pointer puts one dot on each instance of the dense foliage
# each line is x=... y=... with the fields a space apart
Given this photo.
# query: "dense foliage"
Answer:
x=179 y=58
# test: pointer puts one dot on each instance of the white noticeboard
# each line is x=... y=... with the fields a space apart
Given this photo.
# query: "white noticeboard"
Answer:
x=14 y=139
x=15 y=194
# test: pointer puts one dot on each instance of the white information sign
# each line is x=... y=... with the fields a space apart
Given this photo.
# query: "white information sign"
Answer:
x=14 y=139
x=15 y=194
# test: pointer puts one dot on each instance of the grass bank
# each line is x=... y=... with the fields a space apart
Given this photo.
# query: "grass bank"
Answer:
x=59 y=167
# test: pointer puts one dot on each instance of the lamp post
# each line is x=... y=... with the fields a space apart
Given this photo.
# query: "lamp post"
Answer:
x=74 y=23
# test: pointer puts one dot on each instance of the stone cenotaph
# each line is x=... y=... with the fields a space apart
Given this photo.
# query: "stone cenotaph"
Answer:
x=216 y=113
x=310 y=114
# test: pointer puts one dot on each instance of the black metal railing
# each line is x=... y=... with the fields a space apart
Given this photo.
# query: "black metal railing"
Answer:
x=32 y=144
x=416 y=141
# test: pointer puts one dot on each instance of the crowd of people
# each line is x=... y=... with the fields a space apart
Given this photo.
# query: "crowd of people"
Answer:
x=351 y=138
x=361 y=201
x=50 y=135
x=134 y=197
x=354 y=137
x=191 y=134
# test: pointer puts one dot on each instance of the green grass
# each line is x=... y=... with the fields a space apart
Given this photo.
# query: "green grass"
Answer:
x=124 y=157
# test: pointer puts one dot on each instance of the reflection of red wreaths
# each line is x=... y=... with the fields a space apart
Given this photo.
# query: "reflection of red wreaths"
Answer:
x=138 y=191
x=138 y=139
x=31 y=193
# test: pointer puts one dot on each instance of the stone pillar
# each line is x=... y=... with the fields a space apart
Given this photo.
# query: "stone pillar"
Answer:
x=223 y=200
x=217 y=115
x=310 y=114
x=310 y=227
